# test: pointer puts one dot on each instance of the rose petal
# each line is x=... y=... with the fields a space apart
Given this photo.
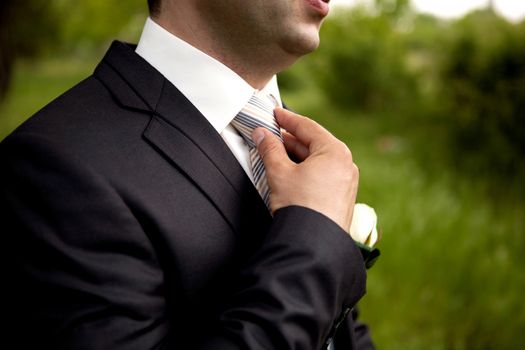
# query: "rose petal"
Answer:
x=363 y=228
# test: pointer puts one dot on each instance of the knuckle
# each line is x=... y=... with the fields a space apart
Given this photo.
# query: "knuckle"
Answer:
x=268 y=143
x=352 y=173
x=313 y=123
x=355 y=170
x=343 y=150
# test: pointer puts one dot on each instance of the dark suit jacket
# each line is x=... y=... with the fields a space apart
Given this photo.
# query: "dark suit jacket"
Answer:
x=128 y=224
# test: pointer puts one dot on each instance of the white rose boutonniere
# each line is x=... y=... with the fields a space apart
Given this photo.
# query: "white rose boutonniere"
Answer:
x=364 y=232
x=364 y=225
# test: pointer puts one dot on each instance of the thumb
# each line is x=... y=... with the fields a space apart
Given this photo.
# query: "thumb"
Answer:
x=270 y=148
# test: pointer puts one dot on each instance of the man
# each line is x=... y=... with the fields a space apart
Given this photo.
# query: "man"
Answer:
x=136 y=219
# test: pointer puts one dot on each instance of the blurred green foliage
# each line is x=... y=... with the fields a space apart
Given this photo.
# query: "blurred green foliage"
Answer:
x=361 y=64
x=433 y=111
x=461 y=81
x=33 y=26
x=484 y=85
x=46 y=26
x=43 y=28
x=98 y=22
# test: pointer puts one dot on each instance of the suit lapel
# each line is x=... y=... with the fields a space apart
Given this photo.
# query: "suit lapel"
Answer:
x=184 y=136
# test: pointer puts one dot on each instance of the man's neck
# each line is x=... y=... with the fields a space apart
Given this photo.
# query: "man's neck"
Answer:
x=254 y=68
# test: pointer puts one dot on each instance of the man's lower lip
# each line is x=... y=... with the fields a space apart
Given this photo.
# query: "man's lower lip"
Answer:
x=321 y=6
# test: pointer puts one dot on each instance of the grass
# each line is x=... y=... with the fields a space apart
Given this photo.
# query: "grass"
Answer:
x=451 y=274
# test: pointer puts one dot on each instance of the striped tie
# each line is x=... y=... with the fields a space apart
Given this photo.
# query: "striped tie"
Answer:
x=258 y=112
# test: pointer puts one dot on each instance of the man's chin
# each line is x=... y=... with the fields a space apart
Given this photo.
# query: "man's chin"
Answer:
x=303 y=43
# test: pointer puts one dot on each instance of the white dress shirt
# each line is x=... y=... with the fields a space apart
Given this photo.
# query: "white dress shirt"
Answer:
x=214 y=89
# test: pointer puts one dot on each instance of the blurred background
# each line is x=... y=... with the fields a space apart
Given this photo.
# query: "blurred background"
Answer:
x=433 y=109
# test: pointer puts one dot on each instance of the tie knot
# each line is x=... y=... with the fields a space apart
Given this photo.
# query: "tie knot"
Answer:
x=258 y=112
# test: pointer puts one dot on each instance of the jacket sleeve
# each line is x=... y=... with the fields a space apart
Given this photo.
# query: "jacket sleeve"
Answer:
x=82 y=273
x=293 y=292
x=354 y=334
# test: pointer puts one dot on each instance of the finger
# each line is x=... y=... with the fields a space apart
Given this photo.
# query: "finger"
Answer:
x=304 y=129
x=294 y=147
x=271 y=150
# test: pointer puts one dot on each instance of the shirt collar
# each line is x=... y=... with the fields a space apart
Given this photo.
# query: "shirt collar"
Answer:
x=214 y=89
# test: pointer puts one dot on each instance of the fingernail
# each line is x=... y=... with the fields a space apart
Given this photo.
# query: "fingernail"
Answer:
x=257 y=136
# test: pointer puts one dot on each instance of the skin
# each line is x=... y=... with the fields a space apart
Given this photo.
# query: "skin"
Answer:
x=257 y=39
x=325 y=179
